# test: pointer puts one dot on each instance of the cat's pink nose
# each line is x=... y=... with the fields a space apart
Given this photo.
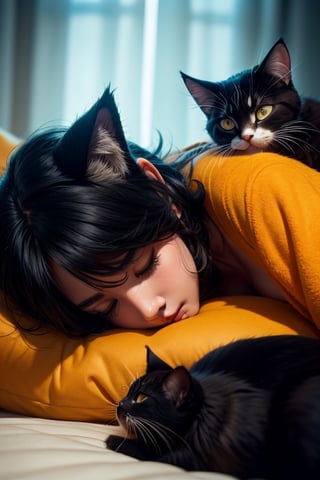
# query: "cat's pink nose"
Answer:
x=247 y=137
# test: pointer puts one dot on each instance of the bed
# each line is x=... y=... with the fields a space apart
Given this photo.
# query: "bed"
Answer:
x=41 y=449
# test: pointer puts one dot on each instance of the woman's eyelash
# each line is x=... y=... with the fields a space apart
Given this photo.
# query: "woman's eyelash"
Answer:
x=145 y=272
x=150 y=267
x=108 y=311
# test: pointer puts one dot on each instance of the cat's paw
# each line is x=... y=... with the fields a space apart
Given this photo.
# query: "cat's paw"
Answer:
x=131 y=447
x=114 y=442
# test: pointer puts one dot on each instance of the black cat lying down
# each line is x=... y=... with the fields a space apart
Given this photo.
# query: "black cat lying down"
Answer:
x=260 y=110
x=249 y=409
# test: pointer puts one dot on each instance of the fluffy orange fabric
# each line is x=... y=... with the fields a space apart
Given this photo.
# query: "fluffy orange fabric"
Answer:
x=269 y=205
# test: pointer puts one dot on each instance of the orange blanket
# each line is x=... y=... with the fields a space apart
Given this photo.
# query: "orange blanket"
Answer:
x=270 y=206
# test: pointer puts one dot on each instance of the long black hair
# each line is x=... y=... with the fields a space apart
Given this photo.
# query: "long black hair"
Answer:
x=77 y=197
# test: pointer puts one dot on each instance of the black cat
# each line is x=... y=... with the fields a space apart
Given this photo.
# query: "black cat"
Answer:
x=249 y=409
x=260 y=110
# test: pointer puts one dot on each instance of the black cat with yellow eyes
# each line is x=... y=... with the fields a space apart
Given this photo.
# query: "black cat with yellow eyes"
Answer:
x=260 y=110
x=248 y=409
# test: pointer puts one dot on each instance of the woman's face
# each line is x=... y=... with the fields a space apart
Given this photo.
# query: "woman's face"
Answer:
x=160 y=287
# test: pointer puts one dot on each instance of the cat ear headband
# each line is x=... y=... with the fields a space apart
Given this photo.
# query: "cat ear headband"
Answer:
x=97 y=134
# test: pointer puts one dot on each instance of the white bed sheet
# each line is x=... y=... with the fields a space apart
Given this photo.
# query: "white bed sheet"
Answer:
x=41 y=449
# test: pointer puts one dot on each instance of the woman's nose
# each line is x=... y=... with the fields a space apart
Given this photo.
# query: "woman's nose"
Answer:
x=149 y=306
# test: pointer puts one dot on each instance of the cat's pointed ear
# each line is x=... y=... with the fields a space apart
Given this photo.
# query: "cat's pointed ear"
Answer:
x=177 y=385
x=277 y=62
x=98 y=133
x=154 y=362
x=201 y=91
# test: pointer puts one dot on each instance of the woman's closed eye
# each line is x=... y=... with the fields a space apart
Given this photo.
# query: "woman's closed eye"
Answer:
x=99 y=306
x=150 y=267
x=108 y=311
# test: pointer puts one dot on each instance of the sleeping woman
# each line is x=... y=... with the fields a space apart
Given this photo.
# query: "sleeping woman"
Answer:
x=97 y=232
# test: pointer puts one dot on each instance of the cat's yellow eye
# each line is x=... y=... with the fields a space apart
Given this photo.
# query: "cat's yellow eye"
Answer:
x=141 y=397
x=263 y=112
x=227 y=124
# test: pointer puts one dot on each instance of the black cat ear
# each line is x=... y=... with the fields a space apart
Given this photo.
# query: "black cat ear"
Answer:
x=201 y=91
x=277 y=62
x=154 y=362
x=177 y=385
x=98 y=132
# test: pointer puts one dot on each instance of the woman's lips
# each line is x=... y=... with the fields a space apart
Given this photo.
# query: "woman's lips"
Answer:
x=176 y=317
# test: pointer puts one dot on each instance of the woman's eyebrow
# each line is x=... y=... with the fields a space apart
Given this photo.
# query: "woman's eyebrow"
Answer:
x=90 y=300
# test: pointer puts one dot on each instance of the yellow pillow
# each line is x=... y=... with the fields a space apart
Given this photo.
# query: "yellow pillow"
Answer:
x=7 y=143
x=57 y=377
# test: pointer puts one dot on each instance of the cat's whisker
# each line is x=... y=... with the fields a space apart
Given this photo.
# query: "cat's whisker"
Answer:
x=223 y=150
x=284 y=144
x=143 y=432
x=169 y=434
x=287 y=139
x=290 y=137
x=167 y=442
x=145 y=429
x=114 y=420
x=185 y=157
x=137 y=428
x=302 y=123
x=159 y=429
x=120 y=444
x=299 y=127
x=302 y=144
x=286 y=136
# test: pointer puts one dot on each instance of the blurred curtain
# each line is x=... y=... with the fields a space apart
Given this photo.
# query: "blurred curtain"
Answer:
x=57 y=56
